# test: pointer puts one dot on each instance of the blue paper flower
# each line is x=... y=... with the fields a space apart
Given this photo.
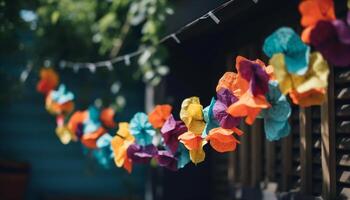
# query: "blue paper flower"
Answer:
x=103 y=154
x=276 y=117
x=209 y=118
x=287 y=42
x=93 y=122
x=61 y=95
x=183 y=156
x=141 y=129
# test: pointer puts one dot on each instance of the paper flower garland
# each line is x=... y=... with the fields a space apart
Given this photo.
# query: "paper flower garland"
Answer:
x=120 y=143
x=141 y=129
x=332 y=39
x=252 y=83
x=288 y=43
x=328 y=35
x=276 y=117
x=48 y=81
x=255 y=90
x=313 y=11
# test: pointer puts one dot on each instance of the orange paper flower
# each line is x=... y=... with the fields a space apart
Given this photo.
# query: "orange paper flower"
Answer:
x=89 y=139
x=77 y=118
x=107 y=117
x=222 y=140
x=190 y=140
x=249 y=106
x=250 y=86
x=309 y=98
x=313 y=11
x=56 y=108
x=194 y=143
x=48 y=80
x=229 y=81
x=120 y=144
x=159 y=115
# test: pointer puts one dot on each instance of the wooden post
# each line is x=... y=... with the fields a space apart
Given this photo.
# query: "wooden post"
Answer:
x=305 y=150
x=328 y=156
x=256 y=153
x=287 y=145
x=270 y=160
x=244 y=156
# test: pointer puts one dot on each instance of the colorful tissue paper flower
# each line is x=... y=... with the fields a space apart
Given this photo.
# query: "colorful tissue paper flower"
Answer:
x=141 y=154
x=224 y=99
x=194 y=143
x=167 y=159
x=64 y=134
x=183 y=156
x=230 y=81
x=192 y=115
x=332 y=39
x=309 y=98
x=296 y=53
x=198 y=155
x=103 y=153
x=120 y=144
x=170 y=131
x=76 y=121
x=89 y=139
x=276 y=117
x=48 y=80
x=141 y=129
x=222 y=140
x=107 y=117
x=159 y=115
x=253 y=72
x=209 y=118
x=248 y=106
x=253 y=80
x=313 y=11
x=315 y=77
x=60 y=101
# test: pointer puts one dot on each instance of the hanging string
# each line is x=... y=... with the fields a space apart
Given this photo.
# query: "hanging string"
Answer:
x=109 y=64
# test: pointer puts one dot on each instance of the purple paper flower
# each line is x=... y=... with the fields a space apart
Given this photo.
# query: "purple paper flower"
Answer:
x=332 y=39
x=141 y=154
x=167 y=159
x=224 y=99
x=254 y=73
x=171 y=130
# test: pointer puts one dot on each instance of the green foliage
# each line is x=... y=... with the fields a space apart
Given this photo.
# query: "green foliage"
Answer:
x=82 y=30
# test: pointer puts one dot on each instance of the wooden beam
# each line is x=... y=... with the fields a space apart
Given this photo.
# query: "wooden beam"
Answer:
x=305 y=150
x=328 y=154
x=287 y=145
x=270 y=155
x=244 y=156
x=256 y=154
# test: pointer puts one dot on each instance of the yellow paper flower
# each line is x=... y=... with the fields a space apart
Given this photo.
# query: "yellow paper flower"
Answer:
x=194 y=143
x=64 y=134
x=120 y=144
x=315 y=77
x=198 y=155
x=192 y=115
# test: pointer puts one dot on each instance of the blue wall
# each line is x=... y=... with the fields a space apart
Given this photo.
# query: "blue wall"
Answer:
x=27 y=134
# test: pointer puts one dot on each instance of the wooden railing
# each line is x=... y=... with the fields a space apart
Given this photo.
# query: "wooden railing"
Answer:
x=314 y=160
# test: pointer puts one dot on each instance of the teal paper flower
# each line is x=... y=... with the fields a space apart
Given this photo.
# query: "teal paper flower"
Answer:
x=287 y=42
x=141 y=129
x=183 y=156
x=276 y=117
x=209 y=118
x=103 y=154
x=61 y=95
x=92 y=123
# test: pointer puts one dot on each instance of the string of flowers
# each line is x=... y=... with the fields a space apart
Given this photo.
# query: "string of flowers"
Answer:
x=253 y=91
